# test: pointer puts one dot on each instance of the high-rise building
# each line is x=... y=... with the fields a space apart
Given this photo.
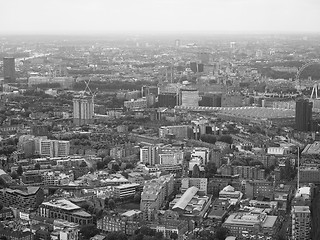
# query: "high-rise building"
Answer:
x=54 y=148
x=83 y=110
x=149 y=154
x=177 y=43
x=9 y=70
x=303 y=115
x=301 y=222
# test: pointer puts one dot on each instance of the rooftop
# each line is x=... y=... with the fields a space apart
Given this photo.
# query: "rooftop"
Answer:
x=186 y=198
x=62 y=204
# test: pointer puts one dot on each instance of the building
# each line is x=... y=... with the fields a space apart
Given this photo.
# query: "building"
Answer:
x=54 y=148
x=169 y=100
x=310 y=174
x=127 y=222
x=16 y=234
x=256 y=188
x=65 y=210
x=168 y=223
x=83 y=110
x=25 y=199
x=301 y=222
x=9 y=70
x=179 y=131
x=243 y=225
x=203 y=153
x=303 y=115
x=228 y=193
x=136 y=104
x=283 y=194
x=125 y=190
x=218 y=182
x=57 y=178
x=200 y=183
x=220 y=208
x=190 y=204
x=154 y=193
x=189 y=97
x=149 y=154
x=65 y=230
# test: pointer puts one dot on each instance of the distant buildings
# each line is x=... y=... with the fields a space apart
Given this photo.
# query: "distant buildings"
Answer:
x=189 y=97
x=83 y=110
x=132 y=104
x=178 y=131
x=9 y=70
x=303 y=115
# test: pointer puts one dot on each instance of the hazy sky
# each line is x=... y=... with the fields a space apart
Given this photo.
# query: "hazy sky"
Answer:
x=103 y=16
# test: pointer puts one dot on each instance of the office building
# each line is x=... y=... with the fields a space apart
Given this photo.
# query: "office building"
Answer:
x=189 y=97
x=83 y=110
x=54 y=148
x=136 y=104
x=218 y=182
x=179 y=131
x=169 y=100
x=303 y=116
x=9 y=70
x=65 y=210
x=194 y=67
x=125 y=190
x=229 y=193
x=256 y=188
x=301 y=222
x=149 y=154
x=200 y=183
x=25 y=199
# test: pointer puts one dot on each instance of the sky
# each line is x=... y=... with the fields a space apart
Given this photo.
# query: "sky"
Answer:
x=155 y=16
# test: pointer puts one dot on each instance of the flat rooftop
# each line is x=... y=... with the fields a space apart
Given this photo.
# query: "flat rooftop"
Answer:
x=62 y=204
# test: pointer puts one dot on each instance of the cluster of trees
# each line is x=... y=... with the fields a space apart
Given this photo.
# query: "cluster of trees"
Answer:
x=209 y=138
x=221 y=233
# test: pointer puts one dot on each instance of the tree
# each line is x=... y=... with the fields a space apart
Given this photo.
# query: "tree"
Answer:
x=208 y=138
x=1 y=206
x=146 y=231
x=221 y=233
x=158 y=235
x=37 y=166
x=106 y=202
x=226 y=138
x=116 y=236
x=210 y=169
x=83 y=164
x=111 y=204
x=174 y=236
x=89 y=231
x=137 y=197
x=196 y=171
x=14 y=175
x=100 y=165
x=19 y=170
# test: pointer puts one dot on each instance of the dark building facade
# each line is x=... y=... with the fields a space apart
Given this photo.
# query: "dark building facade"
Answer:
x=9 y=71
x=167 y=100
x=303 y=115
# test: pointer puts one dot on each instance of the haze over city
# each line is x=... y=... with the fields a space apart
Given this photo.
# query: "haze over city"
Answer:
x=155 y=16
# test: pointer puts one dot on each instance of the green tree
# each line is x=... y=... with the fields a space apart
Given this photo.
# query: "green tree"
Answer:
x=221 y=233
x=19 y=170
x=226 y=138
x=174 y=236
x=137 y=197
x=210 y=169
x=14 y=175
x=89 y=231
x=37 y=166
x=116 y=236
x=196 y=171
x=208 y=138
x=83 y=164
x=111 y=204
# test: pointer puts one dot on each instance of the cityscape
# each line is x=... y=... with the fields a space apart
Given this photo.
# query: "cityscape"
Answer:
x=165 y=133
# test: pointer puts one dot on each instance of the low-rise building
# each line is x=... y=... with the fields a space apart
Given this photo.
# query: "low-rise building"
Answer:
x=200 y=183
x=65 y=210
x=127 y=222
x=125 y=190
x=229 y=193
x=243 y=225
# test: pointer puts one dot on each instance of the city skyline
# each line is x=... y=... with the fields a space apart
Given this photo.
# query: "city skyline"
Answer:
x=155 y=16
